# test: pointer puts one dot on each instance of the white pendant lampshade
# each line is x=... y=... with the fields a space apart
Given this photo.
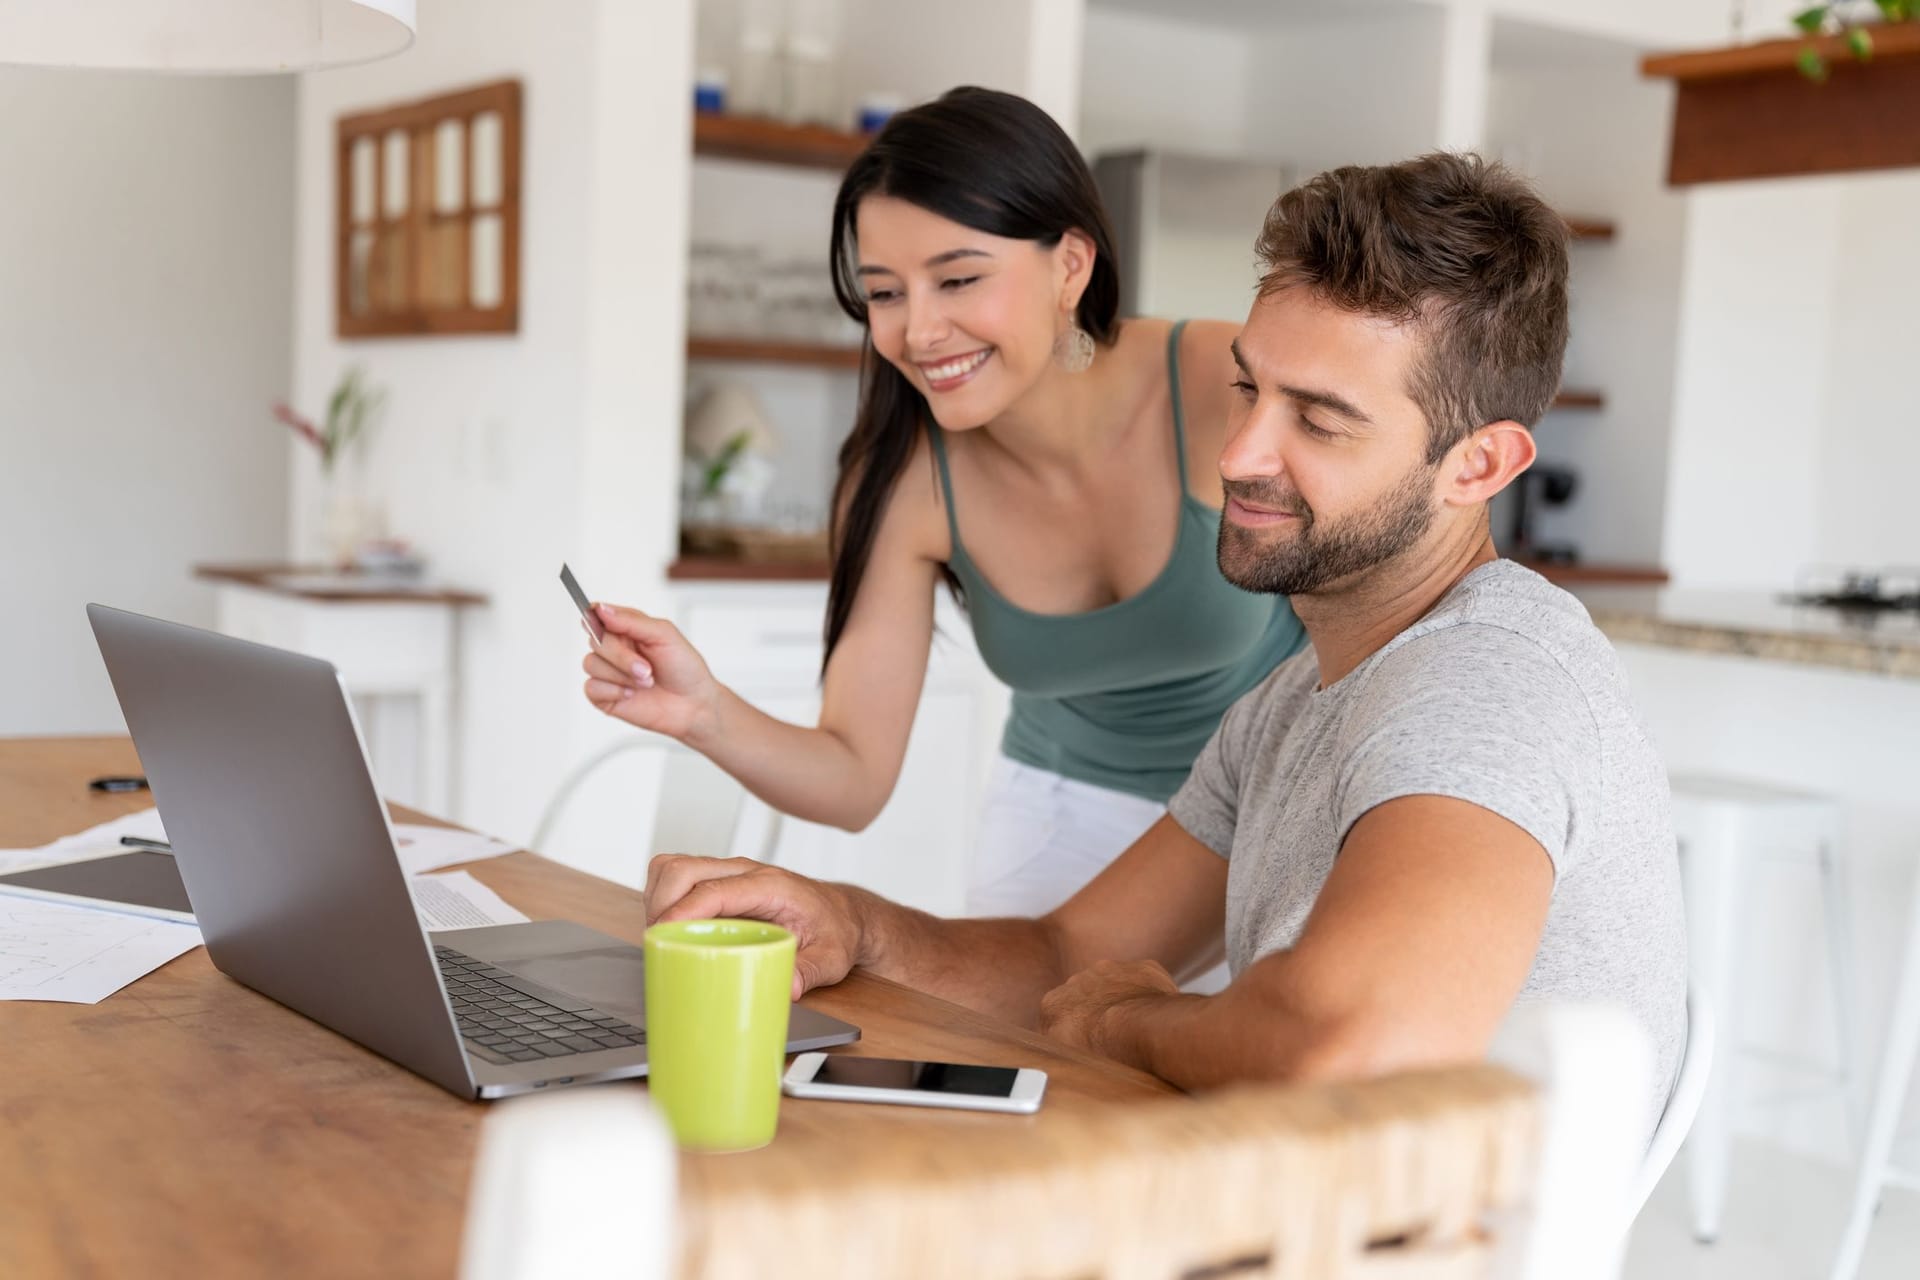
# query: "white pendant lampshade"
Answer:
x=239 y=37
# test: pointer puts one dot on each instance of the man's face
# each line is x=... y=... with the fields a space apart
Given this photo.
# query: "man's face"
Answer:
x=1325 y=463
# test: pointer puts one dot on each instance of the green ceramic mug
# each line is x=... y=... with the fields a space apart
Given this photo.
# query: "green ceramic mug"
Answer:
x=718 y=996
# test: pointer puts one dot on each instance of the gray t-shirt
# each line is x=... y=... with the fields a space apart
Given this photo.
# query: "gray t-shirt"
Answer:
x=1504 y=695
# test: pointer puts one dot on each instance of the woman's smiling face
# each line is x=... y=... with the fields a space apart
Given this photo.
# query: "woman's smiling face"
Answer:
x=969 y=318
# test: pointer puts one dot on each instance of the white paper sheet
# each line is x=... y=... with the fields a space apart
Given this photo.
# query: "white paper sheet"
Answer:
x=457 y=901
x=49 y=951
x=105 y=838
x=422 y=848
x=21 y=859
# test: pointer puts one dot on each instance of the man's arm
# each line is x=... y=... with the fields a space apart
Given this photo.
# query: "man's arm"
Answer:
x=1163 y=900
x=1416 y=948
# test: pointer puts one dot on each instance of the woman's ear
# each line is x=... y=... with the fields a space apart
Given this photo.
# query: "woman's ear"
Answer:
x=1073 y=260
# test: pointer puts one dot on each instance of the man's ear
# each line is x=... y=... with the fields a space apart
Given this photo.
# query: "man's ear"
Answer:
x=1486 y=462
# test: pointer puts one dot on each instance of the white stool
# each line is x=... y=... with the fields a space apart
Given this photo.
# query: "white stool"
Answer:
x=1877 y=1171
x=1726 y=827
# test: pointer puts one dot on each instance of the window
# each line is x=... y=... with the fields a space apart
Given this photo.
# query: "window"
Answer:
x=429 y=216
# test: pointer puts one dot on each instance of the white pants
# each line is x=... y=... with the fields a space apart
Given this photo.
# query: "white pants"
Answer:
x=1043 y=837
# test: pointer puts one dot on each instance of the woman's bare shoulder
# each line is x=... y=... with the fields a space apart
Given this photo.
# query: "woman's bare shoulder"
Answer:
x=1207 y=373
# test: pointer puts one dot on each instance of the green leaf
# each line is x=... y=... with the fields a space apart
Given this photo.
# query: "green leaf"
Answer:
x=1811 y=20
x=1860 y=40
x=1894 y=10
x=729 y=454
x=1812 y=65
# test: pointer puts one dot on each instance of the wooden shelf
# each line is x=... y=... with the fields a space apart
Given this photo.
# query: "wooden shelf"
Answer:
x=699 y=568
x=1574 y=399
x=756 y=351
x=803 y=146
x=1890 y=40
x=1748 y=112
x=1588 y=228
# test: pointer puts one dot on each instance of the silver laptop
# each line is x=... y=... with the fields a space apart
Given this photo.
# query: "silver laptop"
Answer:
x=261 y=777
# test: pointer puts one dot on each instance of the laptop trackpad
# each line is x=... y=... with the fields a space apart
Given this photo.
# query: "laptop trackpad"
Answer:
x=584 y=963
x=604 y=971
x=608 y=978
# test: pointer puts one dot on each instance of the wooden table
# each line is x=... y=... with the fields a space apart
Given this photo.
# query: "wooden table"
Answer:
x=189 y=1126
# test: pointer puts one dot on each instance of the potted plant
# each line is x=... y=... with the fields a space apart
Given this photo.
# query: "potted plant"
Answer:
x=339 y=440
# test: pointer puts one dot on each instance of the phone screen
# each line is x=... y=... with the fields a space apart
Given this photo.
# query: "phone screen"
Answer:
x=918 y=1077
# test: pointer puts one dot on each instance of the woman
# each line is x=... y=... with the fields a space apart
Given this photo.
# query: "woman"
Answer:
x=1054 y=466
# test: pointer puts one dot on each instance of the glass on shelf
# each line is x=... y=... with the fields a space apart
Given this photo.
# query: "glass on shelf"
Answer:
x=813 y=64
x=758 y=82
x=740 y=292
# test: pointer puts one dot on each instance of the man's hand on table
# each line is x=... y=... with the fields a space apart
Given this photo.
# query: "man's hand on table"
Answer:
x=1020 y=970
x=821 y=917
x=1097 y=1009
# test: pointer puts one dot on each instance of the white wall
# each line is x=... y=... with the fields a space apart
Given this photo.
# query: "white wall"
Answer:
x=500 y=456
x=1160 y=82
x=1310 y=106
x=920 y=48
x=1592 y=134
x=1869 y=437
x=1656 y=23
x=1795 y=423
x=1757 y=311
x=144 y=283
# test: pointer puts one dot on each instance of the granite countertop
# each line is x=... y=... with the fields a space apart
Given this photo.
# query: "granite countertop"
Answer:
x=1755 y=624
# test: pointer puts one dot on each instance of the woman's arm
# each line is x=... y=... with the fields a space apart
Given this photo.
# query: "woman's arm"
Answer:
x=839 y=772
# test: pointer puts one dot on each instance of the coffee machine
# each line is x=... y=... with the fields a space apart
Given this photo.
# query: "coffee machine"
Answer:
x=1544 y=485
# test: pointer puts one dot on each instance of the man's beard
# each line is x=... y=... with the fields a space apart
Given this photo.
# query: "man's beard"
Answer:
x=1318 y=554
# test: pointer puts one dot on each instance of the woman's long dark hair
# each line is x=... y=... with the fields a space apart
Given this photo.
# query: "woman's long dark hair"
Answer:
x=987 y=160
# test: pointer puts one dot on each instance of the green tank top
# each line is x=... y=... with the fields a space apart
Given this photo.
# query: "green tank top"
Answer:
x=1125 y=696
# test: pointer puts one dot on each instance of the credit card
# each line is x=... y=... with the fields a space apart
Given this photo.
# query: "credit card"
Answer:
x=594 y=625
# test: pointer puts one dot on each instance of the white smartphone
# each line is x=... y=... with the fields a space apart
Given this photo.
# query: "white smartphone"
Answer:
x=843 y=1078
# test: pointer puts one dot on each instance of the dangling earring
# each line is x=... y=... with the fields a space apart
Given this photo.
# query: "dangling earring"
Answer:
x=1073 y=350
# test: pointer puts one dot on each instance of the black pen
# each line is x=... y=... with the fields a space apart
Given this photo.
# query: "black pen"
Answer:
x=141 y=842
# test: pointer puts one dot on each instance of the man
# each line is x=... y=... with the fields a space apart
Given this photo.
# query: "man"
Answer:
x=1445 y=804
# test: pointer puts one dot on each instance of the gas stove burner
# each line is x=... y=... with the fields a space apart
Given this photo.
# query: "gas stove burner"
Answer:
x=1860 y=591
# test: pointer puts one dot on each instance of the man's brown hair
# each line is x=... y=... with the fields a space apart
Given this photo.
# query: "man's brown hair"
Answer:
x=1460 y=247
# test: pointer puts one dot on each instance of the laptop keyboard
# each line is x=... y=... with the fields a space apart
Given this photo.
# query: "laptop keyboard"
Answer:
x=502 y=1020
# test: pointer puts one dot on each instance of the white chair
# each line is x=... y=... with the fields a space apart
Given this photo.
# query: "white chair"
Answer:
x=1726 y=827
x=1689 y=1088
x=1877 y=1170
x=571 y=1184
x=1594 y=1066
x=701 y=809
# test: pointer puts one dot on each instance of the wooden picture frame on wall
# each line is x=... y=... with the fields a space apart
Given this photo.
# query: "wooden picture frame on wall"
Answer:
x=428 y=216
